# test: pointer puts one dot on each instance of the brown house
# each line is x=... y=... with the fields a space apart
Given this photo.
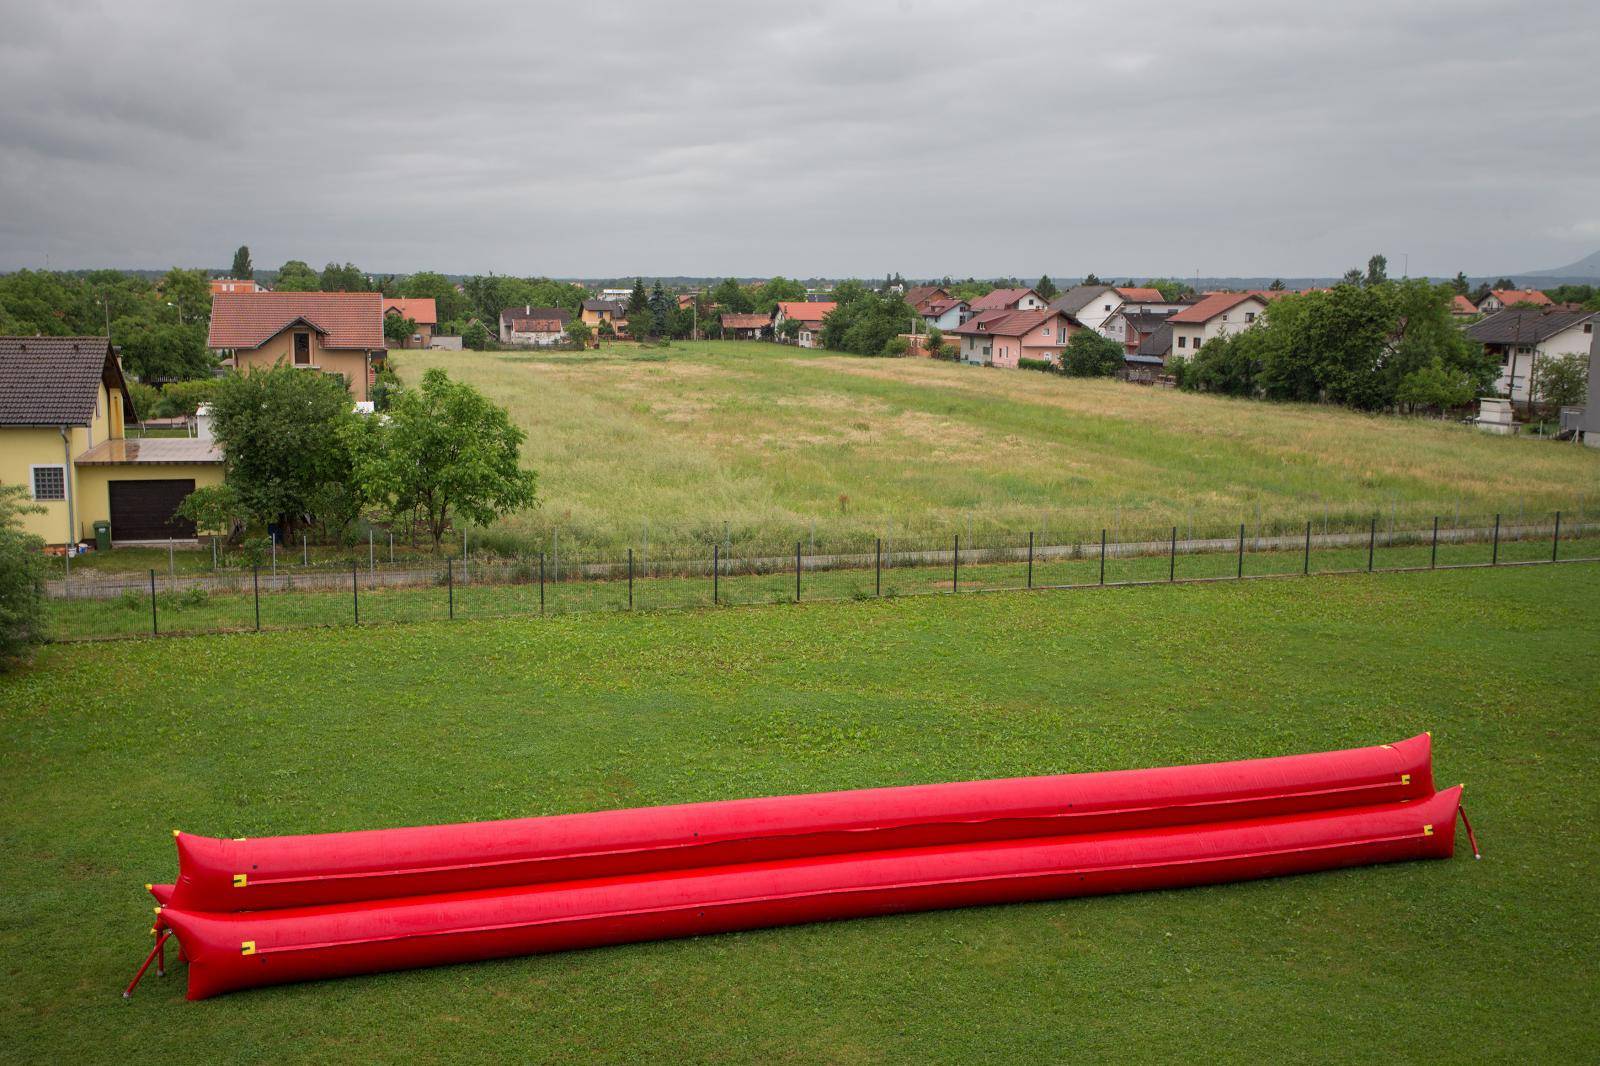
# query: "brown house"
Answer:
x=420 y=310
x=330 y=332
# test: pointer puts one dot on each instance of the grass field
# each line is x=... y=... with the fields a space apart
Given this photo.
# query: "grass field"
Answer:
x=108 y=746
x=761 y=444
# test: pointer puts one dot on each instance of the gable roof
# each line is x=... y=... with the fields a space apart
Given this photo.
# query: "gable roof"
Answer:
x=1462 y=306
x=419 y=309
x=1145 y=323
x=1527 y=325
x=52 y=381
x=1521 y=296
x=806 y=310
x=1000 y=299
x=528 y=313
x=734 y=320
x=616 y=307
x=1214 y=304
x=1158 y=343
x=920 y=294
x=250 y=319
x=1135 y=295
x=1008 y=323
x=935 y=308
x=1078 y=297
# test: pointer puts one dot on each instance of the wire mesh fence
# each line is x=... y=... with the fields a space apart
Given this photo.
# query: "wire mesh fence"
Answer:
x=367 y=589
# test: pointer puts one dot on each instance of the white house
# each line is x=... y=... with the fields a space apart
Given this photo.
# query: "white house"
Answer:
x=1216 y=314
x=1007 y=300
x=1095 y=306
x=1500 y=299
x=810 y=314
x=534 y=325
x=1519 y=337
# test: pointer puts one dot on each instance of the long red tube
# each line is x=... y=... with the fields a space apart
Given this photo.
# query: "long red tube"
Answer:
x=291 y=871
x=231 y=951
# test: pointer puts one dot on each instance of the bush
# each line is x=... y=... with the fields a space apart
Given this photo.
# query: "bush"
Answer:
x=21 y=577
x=1089 y=355
x=1562 y=380
x=1036 y=364
x=181 y=399
x=146 y=398
x=895 y=347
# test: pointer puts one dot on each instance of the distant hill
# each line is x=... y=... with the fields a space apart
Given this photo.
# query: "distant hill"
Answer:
x=1585 y=269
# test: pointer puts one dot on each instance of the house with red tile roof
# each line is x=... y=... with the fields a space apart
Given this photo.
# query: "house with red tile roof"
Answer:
x=810 y=314
x=330 y=332
x=538 y=326
x=1461 y=307
x=1215 y=314
x=235 y=285
x=918 y=295
x=1134 y=294
x=742 y=327
x=1005 y=337
x=1500 y=299
x=1008 y=300
x=420 y=310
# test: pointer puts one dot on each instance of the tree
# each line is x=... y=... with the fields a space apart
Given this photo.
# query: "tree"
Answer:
x=607 y=331
x=286 y=439
x=346 y=278
x=660 y=306
x=242 y=267
x=1171 y=289
x=446 y=452
x=732 y=298
x=1046 y=288
x=640 y=320
x=933 y=343
x=865 y=321
x=1352 y=276
x=1093 y=279
x=155 y=353
x=187 y=294
x=1377 y=271
x=475 y=336
x=776 y=290
x=296 y=276
x=1459 y=285
x=216 y=510
x=1435 y=387
x=1089 y=355
x=396 y=330
x=1502 y=284
x=579 y=333
x=451 y=303
x=21 y=576
x=1277 y=285
x=181 y=399
x=1562 y=380
x=1229 y=364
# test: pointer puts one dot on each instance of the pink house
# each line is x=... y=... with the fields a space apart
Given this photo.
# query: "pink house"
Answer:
x=1005 y=338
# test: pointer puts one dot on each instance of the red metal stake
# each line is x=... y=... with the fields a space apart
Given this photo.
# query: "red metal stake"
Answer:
x=1476 y=854
x=161 y=938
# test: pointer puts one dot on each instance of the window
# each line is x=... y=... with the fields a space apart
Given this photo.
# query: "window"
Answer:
x=1588 y=327
x=49 y=482
x=1108 y=307
x=1061 y=335
x=302 y=349
x=1183 y=342
x=986 y=348
x=1045 y=332
x=1249 y=316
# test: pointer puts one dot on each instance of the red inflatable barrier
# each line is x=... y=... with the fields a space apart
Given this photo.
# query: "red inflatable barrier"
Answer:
x=292 y=871
x=241 y=950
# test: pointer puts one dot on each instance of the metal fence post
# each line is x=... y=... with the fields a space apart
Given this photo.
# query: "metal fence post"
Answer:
x=391 y=547
x=372 y=554
x=355 y=591
x=797 y=571
x=1555 y=541
x=955 y=568
x=1305 y=565
x=450 y=583
x=1102 y=555
x=1494 y=559
x=1372 y=542
x=1030 y=558
x=305 y=551
x=255 y=584
x=1240 y=572
x=541 y=582
x=877 y=568
x=1172 y=557
x=1433 y=552
x=154 y=631
x=630 y=579
x=716 y=574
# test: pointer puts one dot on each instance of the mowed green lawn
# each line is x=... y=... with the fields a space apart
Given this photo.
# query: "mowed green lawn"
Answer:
x=760 y=444
x=108 y=746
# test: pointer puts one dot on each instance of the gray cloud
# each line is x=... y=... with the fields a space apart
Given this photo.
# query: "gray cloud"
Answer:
x=803 y=138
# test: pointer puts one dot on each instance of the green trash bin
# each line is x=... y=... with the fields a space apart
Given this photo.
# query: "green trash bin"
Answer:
x=102 y=536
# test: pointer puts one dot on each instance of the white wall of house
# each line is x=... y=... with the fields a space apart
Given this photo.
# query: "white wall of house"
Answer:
x=1517 y=365
x=1189 y=337
x=947 y=321
x=1032 y=302
x=1097 y=311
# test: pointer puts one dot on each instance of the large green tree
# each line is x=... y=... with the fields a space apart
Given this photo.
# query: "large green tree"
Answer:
x=446 y=453
x=733 y=298
x=864 y=322
x=775 y=291
x=296 y=276
x=1089 y=355
x=21 y=577
x=287 y=439
x=242 y=267
x=343 y=278
x=1047 y=289
x=451 y=303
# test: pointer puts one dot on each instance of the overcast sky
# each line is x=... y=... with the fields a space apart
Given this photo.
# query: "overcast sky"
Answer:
x=803 y=138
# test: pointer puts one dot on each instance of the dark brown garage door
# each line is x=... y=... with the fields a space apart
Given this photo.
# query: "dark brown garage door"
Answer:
x=145 y=510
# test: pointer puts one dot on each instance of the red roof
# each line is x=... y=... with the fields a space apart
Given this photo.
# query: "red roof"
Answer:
x=733 y=320
x=1007 y=323
x=1213 y=305
x=1142 y=296
x=418 y=309
x=1462 y=306
x=1000 y=299
x=807 y=311
x=250 y=319
x=1521 y=296
x=918 y=295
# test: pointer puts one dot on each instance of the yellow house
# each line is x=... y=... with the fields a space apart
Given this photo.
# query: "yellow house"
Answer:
x=63 y=406
x=328 y=332
x=598 y=311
